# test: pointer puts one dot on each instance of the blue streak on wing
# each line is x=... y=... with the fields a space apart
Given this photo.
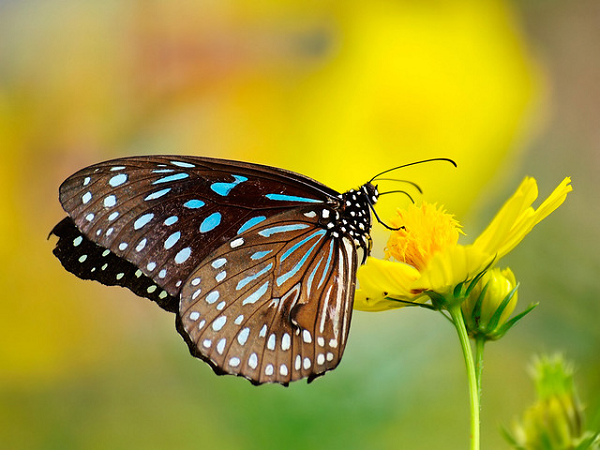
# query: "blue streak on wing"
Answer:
x=157 y=194
x=259 y=255
x=244 y=281
x=223 y=189
x=295 y=247
x=291 y=198
x=182 y=164
x=256 y=295
x=267 y=232
x=174 y=177
x=326 y=270
x=286 y=276
x=250 y=223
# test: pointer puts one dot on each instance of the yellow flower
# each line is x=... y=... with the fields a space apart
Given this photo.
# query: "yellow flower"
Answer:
x=431 y=263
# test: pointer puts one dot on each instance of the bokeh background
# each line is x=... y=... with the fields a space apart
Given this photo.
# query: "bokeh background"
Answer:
x=337 y=91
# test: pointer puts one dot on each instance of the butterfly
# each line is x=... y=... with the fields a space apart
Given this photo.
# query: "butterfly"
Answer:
x=258 y=263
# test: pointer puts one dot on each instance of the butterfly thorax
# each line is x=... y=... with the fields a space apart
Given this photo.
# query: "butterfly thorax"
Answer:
x=354 y=218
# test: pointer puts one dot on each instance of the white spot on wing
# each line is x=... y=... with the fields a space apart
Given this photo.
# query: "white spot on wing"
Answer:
x=306 y=336
x=142 y=221
x=219 y=323
x=217 y=263
x=271 y=342
x=237 y=242
x=118 y=180
x=220 y=276
x=243 y=336
x=212 y=297
x=110 y=201
x=221 y=346
x=283 y=370
x=253 y=361
x=285 y=342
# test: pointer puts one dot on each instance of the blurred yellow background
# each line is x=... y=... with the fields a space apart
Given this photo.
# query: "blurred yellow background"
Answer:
x=335 y=90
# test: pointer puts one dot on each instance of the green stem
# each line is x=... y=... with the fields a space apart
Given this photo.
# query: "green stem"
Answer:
x=479 y=346
x=457 y=317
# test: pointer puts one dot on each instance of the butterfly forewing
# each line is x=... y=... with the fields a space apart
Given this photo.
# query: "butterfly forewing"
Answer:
x=274 y=304
x=165 y=215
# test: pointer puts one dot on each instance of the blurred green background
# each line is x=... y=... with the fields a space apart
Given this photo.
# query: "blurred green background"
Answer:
x=337 y=91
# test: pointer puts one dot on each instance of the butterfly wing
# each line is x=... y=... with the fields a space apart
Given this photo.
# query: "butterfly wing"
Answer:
x=165 y=214
x=275 y=303
x=87 y=260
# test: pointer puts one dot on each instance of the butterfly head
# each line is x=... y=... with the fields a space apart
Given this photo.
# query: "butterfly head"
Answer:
x=370 y=192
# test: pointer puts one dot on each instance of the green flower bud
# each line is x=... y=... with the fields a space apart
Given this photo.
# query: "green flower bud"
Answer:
x=490 y=303
x=555 y=421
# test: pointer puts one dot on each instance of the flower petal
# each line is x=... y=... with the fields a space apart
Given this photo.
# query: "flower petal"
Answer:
x=451 y=267
x=517 y=218
x=379 y=279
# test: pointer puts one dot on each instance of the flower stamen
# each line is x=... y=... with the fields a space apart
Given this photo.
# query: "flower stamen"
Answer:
x=426 y=230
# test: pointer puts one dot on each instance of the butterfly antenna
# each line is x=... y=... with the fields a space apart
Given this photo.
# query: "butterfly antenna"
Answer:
x=413 y=164
x=413 y=184
x=412 y=200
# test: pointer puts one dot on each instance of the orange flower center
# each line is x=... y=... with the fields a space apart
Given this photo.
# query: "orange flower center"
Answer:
x=426 y=230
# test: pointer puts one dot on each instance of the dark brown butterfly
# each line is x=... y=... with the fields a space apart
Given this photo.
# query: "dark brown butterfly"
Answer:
x=258 y=263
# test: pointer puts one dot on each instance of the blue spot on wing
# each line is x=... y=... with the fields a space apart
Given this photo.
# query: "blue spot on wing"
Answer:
x=183 y=255
x=194 y=204
x=172 y=240
x=171 y=220
x=211 y=222
x=291 y=198
x=223 y=189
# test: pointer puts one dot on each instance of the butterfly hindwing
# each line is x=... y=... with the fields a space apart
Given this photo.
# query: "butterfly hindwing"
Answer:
x=89 y=261
x=274 y=304
x=166 y=214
